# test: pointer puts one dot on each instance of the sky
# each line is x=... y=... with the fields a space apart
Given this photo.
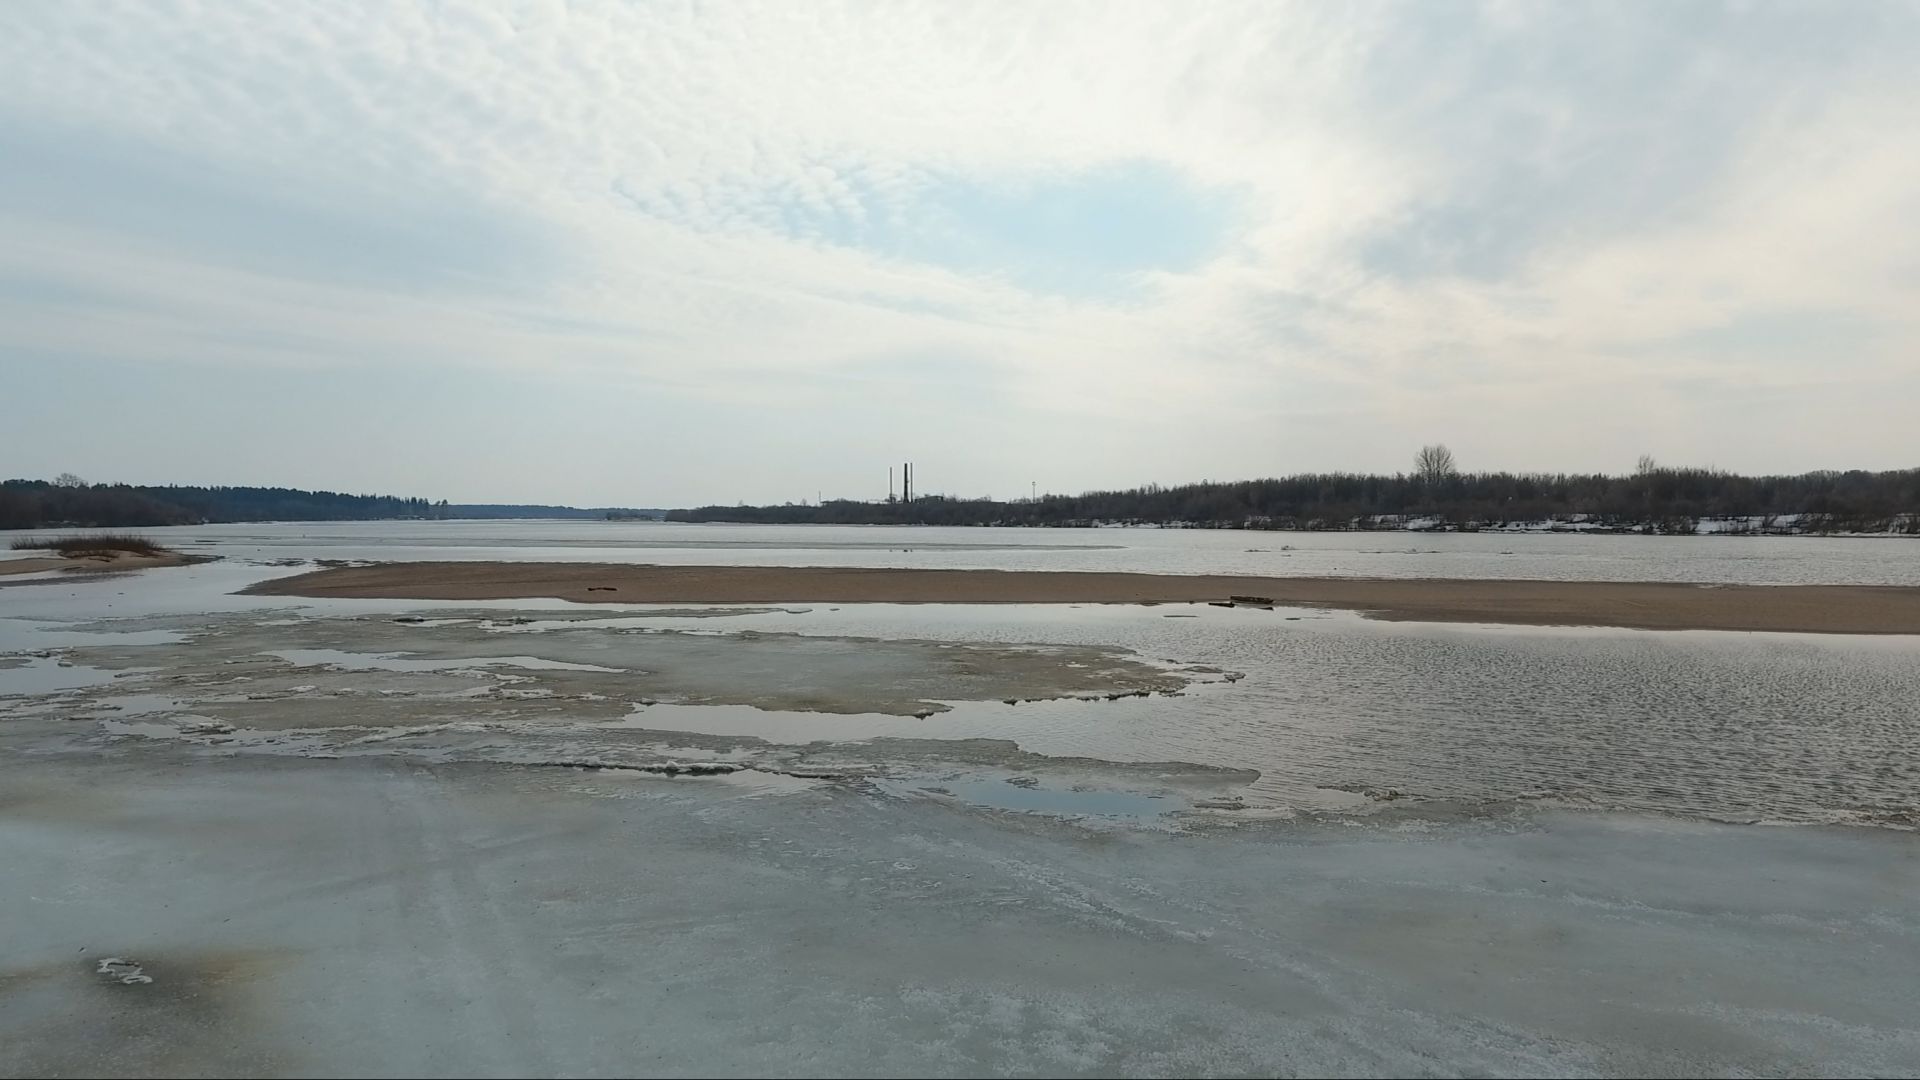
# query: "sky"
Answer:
x=665 y=254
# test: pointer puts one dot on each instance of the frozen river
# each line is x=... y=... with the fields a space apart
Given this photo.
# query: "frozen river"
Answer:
x=1766 y=560
x=532 y=837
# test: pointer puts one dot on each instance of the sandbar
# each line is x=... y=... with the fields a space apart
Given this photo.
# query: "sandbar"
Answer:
x=92 y=562
x=1828 y=609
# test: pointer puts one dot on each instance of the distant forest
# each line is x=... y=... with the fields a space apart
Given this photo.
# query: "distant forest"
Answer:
x=70 y=502
x=1653 y=499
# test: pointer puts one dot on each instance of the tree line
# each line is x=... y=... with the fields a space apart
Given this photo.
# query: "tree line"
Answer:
x=1652 y=499
x=69 y=502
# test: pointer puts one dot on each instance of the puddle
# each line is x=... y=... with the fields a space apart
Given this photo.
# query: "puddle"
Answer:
x=21 y=635
x=783 y=726
x=754 y=783
x=139 y=704
x=642 y=617
x=144 y=729
x=1066 y=802
x=47 y=675
x=1029 y=795
x=353 y=661
x=739 y=782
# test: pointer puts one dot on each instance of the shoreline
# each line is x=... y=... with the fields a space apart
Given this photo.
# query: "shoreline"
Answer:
x=1819 y=609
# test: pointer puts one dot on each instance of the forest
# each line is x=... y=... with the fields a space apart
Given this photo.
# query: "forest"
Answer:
x=1652 y=499
x=69 y=502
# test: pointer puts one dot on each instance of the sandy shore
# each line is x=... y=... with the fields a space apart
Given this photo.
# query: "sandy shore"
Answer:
x=118 y=560
x=1833 y=609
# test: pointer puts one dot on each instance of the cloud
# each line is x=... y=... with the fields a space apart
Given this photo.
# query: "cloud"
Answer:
x=147 y=193
x=1136 y=241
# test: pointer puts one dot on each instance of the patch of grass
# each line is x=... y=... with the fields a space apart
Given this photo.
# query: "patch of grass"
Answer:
x=79 y=547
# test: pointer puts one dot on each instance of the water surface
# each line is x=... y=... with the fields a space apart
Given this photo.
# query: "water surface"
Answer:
x=1761 y=560
x=1747 y=727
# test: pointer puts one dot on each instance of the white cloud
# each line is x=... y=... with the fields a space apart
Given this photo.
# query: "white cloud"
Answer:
x=1447 y=223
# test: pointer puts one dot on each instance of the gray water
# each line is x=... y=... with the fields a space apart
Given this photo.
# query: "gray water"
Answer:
x=1761 y=560
x=1733 y=726
x=1746 y=727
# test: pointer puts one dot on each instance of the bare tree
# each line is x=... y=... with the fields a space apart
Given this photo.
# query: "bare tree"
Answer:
x=68 y=480
x=1646 y=465
x=1434 y=465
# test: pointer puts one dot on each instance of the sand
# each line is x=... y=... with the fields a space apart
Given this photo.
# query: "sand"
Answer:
x=117 y=560
x=1832 y=609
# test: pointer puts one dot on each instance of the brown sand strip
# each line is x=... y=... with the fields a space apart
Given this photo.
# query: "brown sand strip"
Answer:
x=1829 y=609
x=116 y=560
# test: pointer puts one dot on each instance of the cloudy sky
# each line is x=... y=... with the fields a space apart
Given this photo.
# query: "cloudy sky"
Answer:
x=660 y=254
